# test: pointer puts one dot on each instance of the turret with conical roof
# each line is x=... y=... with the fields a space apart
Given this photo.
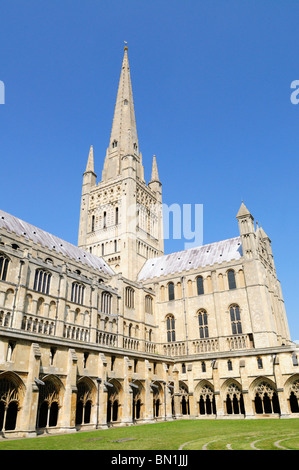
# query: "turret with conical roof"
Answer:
x=89 y=181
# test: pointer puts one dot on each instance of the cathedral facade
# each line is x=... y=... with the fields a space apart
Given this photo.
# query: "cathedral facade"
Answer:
x=115 y=332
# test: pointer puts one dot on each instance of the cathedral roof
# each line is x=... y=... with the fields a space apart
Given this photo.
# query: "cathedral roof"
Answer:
x=193 y=258
x=47 y=240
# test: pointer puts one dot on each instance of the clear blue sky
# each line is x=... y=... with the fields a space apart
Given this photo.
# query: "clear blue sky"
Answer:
x=211 y=83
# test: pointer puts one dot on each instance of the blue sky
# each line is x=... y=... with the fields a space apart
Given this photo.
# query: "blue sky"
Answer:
x=211 y=83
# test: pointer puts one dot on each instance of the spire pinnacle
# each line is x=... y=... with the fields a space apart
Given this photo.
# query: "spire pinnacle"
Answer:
x=90 y=161
x=155 y=174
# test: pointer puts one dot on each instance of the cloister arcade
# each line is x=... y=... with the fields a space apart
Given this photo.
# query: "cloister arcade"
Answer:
x=262 y=393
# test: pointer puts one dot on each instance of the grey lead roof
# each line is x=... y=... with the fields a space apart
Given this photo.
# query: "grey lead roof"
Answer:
x=36 y=235
x=193 y=258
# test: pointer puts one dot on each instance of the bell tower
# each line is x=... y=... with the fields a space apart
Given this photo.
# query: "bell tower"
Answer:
x=121 y=216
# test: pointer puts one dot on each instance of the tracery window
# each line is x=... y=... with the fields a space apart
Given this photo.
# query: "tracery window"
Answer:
x=231 y=279
x=234 y=400
x=199 y=285
x=106 y=298
x=42 y=281
x=170 y=326
x=130 y=297
x=148 y=304
x=206 y=403
x=10 y=396
x=235 y=319
x=77 y=295
x=171 y=291
x=3 y=267
x=294 y=397
x=266 y=399
x=203 y=324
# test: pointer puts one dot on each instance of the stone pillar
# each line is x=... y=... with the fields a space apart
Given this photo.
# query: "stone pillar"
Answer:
x=61 y=302
x=218 y=397
x=103 y=391
x=127 y=414
x=67 y=414
x=248 y=405
x=19 y=306
x=28 y=412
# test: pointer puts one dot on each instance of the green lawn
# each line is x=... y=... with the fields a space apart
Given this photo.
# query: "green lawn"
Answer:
x=185 y=434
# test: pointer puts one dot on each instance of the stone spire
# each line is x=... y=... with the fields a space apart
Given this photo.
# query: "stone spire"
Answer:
x=123 y=138
x=124 y=132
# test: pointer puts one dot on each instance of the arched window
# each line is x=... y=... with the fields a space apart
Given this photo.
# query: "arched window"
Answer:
x=77 y=295
x=148 y=304
x=203 y=367
x=170 y=326
x=183 y=368
x=229 y=365
x=235 y=319
x=199 y=284
x=104 y=219
x=42 y=281
x=171 y=291
x=203 y=324
x=130 y=297
x=106 y=302
x=231 y=279
x=3 y=267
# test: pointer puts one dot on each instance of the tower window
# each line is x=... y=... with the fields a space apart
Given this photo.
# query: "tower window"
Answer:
x=199 y=284
x=105 y=219
x=229 y=365
x=3 y=267
x=171 y=291
x=116 y=216
x=92 y=223
x=259 y=363
x=235 y=319
x=170 y=326
x=231 y=279
x=295 y=359
x=114 y=144
x=203 y=324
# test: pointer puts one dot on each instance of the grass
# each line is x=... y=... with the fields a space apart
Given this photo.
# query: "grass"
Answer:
x=192 y=434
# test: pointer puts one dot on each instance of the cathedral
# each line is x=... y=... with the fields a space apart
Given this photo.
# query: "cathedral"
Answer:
x=113 y=332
